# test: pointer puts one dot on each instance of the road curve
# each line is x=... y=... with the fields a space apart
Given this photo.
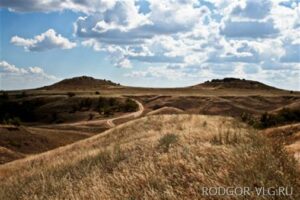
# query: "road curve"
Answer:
x=110 y=122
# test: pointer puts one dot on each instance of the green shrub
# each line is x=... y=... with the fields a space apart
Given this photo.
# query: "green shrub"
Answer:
x=85 y=103
x=108 y=106
x=130 y=105
x=284 y=116
x=13 y=121
x=22 y=95
x=266 y=120
x=25 y=110
x=167 y=140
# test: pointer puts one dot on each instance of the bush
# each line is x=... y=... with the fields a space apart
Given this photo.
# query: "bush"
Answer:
x=130 y=106
x=267 y=120
x=91 y=116
x=24 y=110
x=109 y=160
x=85 y=103
x=13 y=121
x=22 y=95
x=284 y=116
x=108 y=106
x=227 y=138
x=167 y=140
x=71 y=94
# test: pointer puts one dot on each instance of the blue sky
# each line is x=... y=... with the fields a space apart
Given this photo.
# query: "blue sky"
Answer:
x=163 y=43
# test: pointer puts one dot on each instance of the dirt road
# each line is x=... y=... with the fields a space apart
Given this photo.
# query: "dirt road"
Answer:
x=109 y=122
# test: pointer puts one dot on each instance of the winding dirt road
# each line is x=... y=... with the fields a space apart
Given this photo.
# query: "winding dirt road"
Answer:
x=109 y=122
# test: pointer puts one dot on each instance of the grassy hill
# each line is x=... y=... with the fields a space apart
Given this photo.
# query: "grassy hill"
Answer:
x=81 y=83
x=155 y=157
x=234 y=83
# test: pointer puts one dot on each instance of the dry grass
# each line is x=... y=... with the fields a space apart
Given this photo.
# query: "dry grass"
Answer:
x=166 y=110
x=127 y=162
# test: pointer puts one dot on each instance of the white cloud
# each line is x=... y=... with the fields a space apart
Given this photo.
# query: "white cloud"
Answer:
x=255 y=9
x=249 y=29
x=45 y=41
x=123 y=63
x=158 y=72
x=206 y=38
x=85 y=6
x=13 y=77
x=10 y=69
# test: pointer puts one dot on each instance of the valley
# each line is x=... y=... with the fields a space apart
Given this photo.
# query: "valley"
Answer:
x=111 y=136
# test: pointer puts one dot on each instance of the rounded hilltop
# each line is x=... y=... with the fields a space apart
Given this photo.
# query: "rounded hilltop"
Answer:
x=234 y=83
x=81 y=82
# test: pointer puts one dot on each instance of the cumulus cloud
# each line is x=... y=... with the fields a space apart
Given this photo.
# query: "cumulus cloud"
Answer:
x=255 y=9
x=45 y=41
x=85 y=6
x=249 y=29
x=10 y=69
x=13 y=77
x=159 y=72
x=187 y=38
x=292 y=53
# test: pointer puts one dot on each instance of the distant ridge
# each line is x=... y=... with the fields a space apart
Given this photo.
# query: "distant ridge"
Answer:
x=82 y=82
x=86 y=83
x=234 y=83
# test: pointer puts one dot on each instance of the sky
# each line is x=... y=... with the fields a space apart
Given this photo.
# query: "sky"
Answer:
x=149 y=43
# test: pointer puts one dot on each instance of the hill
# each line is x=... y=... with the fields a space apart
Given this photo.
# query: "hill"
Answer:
x=234 y=83
x=19 y=142
x=155 y=157
x=81 y=83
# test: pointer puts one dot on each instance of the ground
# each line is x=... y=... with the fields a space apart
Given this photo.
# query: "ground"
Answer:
x=61 y=118
x=62 y=142
x=155 y=157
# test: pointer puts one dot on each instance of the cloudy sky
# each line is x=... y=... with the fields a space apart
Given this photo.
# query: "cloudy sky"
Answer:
x=158 y=43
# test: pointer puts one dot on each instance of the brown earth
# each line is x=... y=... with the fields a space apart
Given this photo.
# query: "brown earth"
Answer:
x=61 y=119
x=165 y=110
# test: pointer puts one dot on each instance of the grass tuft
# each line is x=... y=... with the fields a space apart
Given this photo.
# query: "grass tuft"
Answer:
x=167 y=140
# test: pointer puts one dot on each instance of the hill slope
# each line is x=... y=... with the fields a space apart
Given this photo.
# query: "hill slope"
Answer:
x=79 y=83
x=155 y=157
x=234 y=83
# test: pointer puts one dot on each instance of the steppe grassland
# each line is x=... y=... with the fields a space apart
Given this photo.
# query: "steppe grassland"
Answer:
x=138 y=160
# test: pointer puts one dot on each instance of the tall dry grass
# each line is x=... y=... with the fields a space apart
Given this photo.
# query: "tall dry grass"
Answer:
x=156 y=157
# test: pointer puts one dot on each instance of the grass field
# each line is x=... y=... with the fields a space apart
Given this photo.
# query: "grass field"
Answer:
x=118 y=142
x=156 y=157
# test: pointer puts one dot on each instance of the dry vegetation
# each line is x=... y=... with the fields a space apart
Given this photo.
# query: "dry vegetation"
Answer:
x=156 y=157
